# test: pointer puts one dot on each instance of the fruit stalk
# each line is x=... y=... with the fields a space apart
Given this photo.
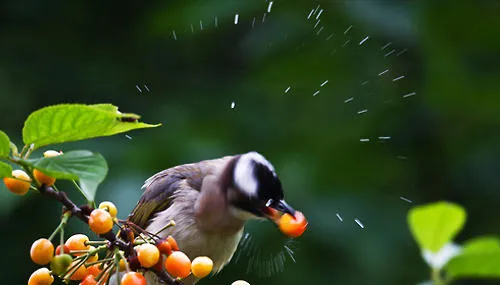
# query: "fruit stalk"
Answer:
x=78 y=212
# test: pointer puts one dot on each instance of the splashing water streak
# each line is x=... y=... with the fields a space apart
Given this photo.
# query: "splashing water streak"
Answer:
x=389 y=53
x=269 y=7
x=138 y=88
x=364 y=40
x=347 y=30
x=359 y=223
x=405 y=199
x=236 y=16
x=409 y=94
x=386 y=45
x=398 y=78
x=383 y=72
x=319 y=14
x=339 y=217
x=287 y=89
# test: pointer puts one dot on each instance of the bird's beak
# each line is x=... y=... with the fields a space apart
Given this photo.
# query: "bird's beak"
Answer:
x=274 y=209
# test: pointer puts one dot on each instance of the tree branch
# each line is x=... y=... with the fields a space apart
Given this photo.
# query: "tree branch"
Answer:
x=81 y=214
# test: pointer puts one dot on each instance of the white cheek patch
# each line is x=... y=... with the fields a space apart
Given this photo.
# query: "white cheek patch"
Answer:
x=244 y=177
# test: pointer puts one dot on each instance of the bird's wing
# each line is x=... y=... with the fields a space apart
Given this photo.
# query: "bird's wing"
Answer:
x=159 y=190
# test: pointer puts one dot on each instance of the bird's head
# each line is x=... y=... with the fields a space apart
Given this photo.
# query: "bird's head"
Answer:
x=256 y=191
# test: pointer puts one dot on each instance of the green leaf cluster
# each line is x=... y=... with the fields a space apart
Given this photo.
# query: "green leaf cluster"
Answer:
x=65 y=123
x=435 y=225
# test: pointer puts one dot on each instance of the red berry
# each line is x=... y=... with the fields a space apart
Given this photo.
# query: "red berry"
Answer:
x=293 y=226
x=173 y=243
x=178 y=264
x=89 y=280
x=133 y=278
x=164 y=247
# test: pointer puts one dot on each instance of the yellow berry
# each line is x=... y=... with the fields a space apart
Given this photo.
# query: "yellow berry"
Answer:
x=240 y=282
x=148 y=255
x=41 y=276
x=19 y=183
x=201 y=266
x=42 y=251
x=51 y=153
x=77 y=242
x=100 y=221
x=92 y=258
x=110 y=207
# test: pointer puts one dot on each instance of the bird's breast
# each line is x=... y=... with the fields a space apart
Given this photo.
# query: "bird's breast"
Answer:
x=190 y=235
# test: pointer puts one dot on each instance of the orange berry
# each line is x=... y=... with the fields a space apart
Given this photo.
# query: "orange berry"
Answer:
x=60 y=263
x=122 y=265
x=92 y=258
x=293 y=226
x=77 y=242
x=19 y=183
x=172 y=243
x=148 y=255
x=58 y=249
x=42 y=251
x=89 y=280
x=178 y=264
x=133 y=278
x=94 y=270
x=41 y=276
x=43 y=178
x=202 y=266
x=80 y=273
x=164 y=247
x=100 y=221
x=110 y=207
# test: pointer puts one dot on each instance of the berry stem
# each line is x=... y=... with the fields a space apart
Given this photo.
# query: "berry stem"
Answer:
x=71 y=209
x=61 y=225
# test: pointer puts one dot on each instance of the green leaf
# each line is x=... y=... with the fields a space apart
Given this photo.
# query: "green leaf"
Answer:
x=480 y=258
x=4 y=144
x=82 y=165
x=72 y=122
x=5 y=170
x=436 y=224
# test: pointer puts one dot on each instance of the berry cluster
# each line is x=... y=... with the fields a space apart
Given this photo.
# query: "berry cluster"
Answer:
x=78 y=259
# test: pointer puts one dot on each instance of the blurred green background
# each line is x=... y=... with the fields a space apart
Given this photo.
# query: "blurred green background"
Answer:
x=444 y=141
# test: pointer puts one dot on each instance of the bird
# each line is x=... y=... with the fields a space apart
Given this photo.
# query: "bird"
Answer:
x=210 y=201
